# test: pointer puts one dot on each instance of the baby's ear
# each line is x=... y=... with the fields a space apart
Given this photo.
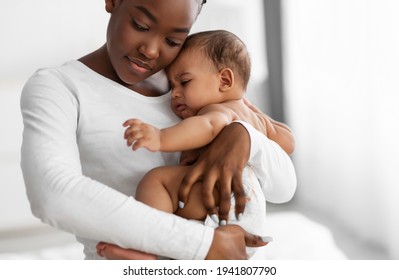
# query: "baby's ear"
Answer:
x=226 y=77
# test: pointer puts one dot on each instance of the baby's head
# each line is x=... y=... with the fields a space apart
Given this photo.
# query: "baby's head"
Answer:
x=212 y=67
x=224 y=50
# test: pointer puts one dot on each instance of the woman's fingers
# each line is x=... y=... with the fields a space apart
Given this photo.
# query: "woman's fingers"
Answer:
x=239 y=195
x=224 y=189
x=189 y=157
x=229 y=243
x=252 y=240
x=208 y=198
x=192 y=176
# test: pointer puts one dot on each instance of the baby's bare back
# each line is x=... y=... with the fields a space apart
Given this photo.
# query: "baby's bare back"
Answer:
x=241 y=112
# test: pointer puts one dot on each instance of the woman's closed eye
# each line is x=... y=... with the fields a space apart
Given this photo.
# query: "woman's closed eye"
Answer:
x=173 y=43
x=139 y=27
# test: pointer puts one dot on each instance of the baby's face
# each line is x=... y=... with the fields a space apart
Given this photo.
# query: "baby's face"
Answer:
x=194 y=81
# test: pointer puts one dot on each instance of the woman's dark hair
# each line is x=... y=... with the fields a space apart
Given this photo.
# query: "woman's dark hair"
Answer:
x=224 y=50
x=202 y=3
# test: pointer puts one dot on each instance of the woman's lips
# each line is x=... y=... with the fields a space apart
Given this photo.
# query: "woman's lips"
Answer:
x=139 y=66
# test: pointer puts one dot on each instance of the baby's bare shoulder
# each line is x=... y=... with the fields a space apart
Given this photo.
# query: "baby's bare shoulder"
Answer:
x=215 y=108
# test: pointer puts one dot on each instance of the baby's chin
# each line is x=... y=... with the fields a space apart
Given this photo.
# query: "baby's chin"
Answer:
x=184 y=114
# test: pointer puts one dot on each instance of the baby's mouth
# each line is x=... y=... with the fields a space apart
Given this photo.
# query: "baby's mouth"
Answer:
x=180 y=107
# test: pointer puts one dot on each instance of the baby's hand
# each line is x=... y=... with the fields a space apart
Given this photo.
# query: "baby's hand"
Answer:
x=140 y=134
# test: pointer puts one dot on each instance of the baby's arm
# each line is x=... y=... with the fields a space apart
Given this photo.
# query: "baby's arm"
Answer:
x=190 y=133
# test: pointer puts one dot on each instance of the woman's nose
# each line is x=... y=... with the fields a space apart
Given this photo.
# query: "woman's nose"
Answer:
x=150 y=49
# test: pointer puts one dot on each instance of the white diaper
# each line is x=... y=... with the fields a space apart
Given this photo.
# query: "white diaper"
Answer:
x=254 y=217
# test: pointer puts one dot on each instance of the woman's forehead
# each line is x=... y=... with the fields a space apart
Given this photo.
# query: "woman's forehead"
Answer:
x=180 y=12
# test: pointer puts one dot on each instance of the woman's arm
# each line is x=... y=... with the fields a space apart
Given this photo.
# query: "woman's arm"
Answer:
x=60 y=195
x=228 y=244
x=222 y=163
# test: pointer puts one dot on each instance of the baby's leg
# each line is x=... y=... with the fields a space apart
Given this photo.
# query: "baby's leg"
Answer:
x=152 y=189
x=159 y=188
x=114 y=252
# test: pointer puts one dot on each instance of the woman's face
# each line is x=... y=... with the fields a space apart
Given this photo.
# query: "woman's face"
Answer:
x=144 y=36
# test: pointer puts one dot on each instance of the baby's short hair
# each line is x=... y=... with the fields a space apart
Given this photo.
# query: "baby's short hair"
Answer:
x=224 y=49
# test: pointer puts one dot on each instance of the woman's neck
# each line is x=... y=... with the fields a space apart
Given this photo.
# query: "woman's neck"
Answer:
x=99 y=62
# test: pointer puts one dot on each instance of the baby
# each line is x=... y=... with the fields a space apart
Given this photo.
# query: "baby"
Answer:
x=208 y=81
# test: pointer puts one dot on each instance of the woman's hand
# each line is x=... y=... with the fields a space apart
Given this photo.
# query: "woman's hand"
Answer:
x=189 y=157
x=229 y=243
x=221 y=166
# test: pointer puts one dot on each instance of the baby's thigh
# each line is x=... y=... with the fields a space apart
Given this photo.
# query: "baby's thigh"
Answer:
x=172 y=178
x=194 y=208
x=165 y=179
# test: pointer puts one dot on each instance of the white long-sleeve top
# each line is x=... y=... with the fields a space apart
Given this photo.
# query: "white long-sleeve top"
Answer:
x=81 y=177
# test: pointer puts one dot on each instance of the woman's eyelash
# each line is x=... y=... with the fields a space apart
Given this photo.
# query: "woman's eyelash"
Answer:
x=138 y=26
x=172 y=43
x=143 y=28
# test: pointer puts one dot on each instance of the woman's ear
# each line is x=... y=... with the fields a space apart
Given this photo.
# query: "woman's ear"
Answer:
x=110 y=5
x=226 y=77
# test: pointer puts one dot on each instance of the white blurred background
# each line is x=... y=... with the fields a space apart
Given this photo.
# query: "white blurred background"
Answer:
x=341 y=67
x=328 y=68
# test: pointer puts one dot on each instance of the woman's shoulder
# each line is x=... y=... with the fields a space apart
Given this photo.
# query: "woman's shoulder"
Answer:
x=70 y=68
x=50 y=75
x=50 y=82
x=70 y=76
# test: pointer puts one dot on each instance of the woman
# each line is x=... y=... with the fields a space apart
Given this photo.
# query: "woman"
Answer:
x=78 y=172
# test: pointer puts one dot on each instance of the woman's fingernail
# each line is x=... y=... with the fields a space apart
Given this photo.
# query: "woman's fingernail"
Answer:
x=239 y=217
x=181 y=204
x=267 y=238
x=215 y=218
x=223 y=223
